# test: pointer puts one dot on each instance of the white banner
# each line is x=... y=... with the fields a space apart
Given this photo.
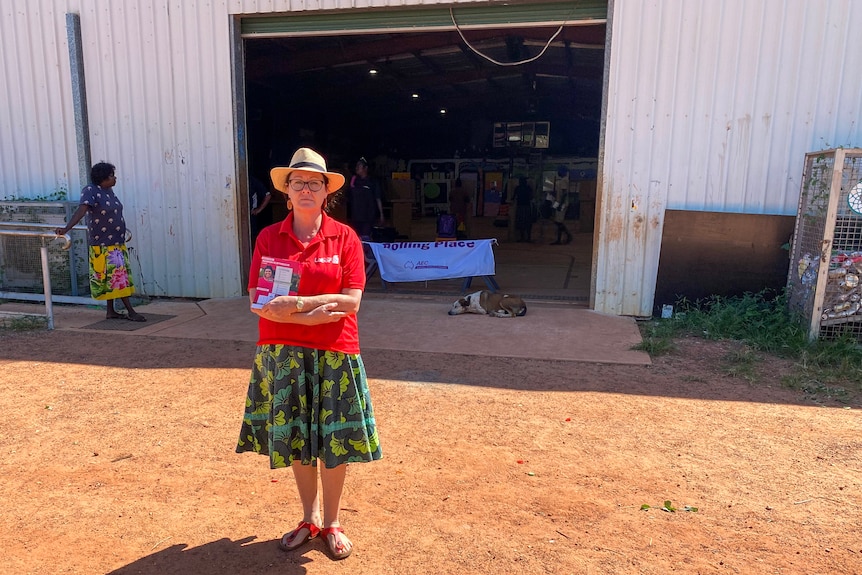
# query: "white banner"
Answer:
x=420 y=261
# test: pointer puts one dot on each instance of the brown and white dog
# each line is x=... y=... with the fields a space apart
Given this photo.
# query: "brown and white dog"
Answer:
x=487 y=302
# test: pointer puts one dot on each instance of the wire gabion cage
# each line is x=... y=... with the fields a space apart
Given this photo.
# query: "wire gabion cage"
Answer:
x=825 y=277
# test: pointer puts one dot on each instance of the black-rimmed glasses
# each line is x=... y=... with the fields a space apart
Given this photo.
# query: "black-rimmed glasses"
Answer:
x=298 y=185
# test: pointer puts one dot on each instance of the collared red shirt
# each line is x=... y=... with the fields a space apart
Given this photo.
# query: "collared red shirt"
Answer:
x=332 y=262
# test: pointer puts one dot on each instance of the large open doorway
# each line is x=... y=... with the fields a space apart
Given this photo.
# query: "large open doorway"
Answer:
x=481 y=105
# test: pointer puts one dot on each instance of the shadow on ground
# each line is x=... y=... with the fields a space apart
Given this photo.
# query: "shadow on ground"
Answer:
x=222 y=557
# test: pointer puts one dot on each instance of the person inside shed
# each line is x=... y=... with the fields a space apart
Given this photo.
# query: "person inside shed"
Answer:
x=561 y=206
x=258 y=198
x=364 y=201
x=110 y=275
x=308 y=405
x=523 y=194
x=460 y=205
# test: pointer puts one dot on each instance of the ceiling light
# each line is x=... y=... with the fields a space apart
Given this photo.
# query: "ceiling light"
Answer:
x=373 y=71
x=415 y=96
x=442 y=111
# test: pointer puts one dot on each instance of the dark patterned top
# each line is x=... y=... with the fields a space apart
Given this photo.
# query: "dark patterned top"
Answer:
x=105 y=223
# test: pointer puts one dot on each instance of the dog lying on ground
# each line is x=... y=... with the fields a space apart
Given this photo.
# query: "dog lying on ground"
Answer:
x=487 y=302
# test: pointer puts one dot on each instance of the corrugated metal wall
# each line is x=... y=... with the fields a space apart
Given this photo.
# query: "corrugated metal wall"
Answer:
x=158 y=79
x=160 y=97
x=712 y=106
x=37 y=152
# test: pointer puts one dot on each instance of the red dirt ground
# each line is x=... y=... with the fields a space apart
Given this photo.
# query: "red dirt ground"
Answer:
x=118 y=457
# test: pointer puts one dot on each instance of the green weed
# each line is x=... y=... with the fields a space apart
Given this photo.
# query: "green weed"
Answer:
x=657 y=337
x=742 y=363
x=23 y=323
x=763 y=323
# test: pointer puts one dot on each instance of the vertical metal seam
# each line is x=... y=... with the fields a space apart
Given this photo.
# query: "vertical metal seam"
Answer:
x=79 y=97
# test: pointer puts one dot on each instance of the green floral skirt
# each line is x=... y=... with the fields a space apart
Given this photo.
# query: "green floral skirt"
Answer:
x=110 y=277
x=307 y=404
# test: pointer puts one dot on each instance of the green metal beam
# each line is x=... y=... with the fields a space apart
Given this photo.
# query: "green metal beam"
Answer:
x=417 y=19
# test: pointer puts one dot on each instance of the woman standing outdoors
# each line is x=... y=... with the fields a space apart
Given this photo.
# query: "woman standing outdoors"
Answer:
x=308 y=397
x=110 y=277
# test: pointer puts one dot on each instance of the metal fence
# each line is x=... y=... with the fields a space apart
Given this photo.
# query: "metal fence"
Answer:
x=45 y=237
x=21 y=273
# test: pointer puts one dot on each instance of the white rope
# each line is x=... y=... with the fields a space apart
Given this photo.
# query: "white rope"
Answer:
x=493 y=61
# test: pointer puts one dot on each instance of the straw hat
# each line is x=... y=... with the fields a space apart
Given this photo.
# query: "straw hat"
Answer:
x=306 y=160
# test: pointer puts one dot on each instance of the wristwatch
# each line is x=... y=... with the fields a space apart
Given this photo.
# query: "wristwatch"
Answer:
x=299 y=303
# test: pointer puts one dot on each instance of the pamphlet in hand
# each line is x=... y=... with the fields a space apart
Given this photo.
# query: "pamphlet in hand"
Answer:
x=276 y=277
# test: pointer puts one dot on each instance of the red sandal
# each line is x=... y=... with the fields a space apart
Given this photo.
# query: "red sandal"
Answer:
x=290 y=540
x=337 y=550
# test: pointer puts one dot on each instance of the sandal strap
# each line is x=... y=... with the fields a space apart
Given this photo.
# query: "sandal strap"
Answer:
x=338 y=547
x=313 y=531
x=312 y=528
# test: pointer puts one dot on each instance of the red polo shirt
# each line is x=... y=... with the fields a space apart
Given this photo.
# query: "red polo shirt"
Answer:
x=332 y=261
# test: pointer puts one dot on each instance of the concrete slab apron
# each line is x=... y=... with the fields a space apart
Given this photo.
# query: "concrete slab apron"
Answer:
x=548 y=331
x=564 y=333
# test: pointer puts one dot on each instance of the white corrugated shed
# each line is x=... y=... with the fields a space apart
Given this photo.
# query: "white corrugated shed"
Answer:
x=37 y=151
x=160 y=97
x=712 y=106
x=158 y=77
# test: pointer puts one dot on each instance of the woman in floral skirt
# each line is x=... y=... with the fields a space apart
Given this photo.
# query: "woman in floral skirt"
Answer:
x=110 y=277
x=308 y=398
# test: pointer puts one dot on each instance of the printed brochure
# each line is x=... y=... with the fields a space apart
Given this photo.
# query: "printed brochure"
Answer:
x=276 y=277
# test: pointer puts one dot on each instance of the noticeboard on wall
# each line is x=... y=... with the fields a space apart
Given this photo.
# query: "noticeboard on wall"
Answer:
x=435 y=194
x=522 y=134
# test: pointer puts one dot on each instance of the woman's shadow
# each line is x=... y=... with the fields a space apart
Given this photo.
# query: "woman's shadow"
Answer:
x=222 y=557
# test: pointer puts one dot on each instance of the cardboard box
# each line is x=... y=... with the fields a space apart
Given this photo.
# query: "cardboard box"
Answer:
x=402 y=216
x=587 y=190
x=402 y=190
